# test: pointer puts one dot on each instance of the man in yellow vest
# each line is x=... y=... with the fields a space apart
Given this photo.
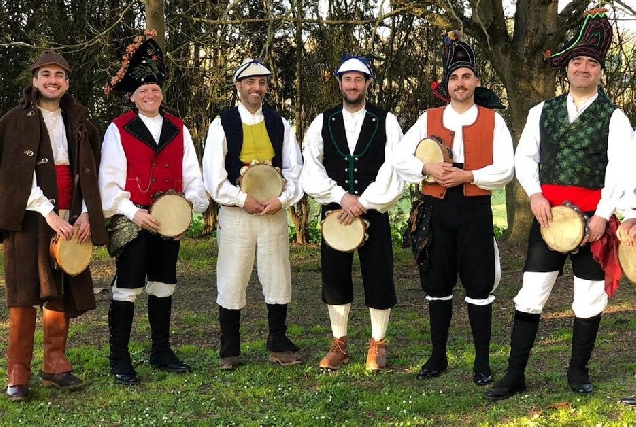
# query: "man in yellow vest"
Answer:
x=456 y=204
x=247 y=134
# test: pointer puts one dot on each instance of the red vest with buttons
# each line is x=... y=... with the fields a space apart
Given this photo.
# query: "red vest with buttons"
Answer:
x=151 y=167
x=478 y=145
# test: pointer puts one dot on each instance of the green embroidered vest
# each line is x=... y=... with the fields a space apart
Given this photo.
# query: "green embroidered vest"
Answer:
x=574 y=153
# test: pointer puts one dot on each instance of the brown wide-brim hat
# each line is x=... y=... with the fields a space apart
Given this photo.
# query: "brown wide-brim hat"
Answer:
x=51 y=57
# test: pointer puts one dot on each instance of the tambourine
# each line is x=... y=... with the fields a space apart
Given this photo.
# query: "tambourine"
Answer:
x=261 y=181
x=344 y=238
x=70 y=256
x=173 y=212
x=433 y=150
x=567 y=229
x=627 y=259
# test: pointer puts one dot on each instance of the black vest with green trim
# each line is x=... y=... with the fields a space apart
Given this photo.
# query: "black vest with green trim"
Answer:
x=233 y=128
x=574 y=153
x=354 y=172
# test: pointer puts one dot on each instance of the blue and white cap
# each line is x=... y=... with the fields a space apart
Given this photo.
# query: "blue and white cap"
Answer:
x=354 y=63
x=251 y=68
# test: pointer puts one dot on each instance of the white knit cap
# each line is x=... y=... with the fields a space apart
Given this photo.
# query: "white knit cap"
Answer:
x=251 y=68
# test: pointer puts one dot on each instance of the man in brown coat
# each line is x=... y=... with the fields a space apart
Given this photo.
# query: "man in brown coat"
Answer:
x=49 y=153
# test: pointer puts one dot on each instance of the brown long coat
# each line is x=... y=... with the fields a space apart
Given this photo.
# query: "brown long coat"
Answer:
x=24 y=148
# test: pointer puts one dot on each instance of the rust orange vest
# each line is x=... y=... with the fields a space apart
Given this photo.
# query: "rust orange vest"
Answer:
x=478 y=141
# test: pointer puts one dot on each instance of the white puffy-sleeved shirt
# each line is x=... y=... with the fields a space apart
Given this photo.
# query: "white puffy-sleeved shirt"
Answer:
x=215 y=175
x=381 y=194
x=620 y=155
x=54 y=122
x=491 y=177
x=112 y=171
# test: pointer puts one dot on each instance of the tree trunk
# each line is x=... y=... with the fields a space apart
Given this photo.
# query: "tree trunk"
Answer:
x=209 y=218
x=300 y=213
x=155 y=20
x=300 y=217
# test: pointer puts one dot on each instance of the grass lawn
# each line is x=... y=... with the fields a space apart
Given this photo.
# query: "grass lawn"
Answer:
x=260 y=393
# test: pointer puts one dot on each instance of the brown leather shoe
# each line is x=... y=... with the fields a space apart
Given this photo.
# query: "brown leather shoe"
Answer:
x=284 y=358
x=17 y=393
x=229 y=363
x=338 y=354
x=64 y=380
x=376 y=356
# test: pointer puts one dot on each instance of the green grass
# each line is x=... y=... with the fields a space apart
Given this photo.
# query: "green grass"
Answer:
x=260 y=393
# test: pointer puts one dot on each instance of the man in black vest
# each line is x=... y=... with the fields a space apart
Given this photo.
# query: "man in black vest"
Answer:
x=245 y=135
x=573 y=148
x=347 y=152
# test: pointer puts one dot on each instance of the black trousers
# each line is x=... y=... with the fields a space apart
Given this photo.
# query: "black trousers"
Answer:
x=376 y=265
x=151 y=256
x=540 y=258
x=462 y=245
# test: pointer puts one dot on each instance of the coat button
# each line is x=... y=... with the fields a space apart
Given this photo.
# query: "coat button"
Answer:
x=28 y=153
x=154 y=180
x=167 y=165
x=346 y=181
x=87 y=170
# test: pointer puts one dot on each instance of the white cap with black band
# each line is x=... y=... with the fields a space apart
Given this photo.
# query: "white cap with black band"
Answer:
x=251 y=68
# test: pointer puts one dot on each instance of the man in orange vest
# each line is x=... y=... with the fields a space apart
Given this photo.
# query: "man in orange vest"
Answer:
x=455 y=207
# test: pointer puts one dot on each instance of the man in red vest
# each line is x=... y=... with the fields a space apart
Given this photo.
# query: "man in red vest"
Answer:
x=48 y=186
x=457 y=204
x=146 y=152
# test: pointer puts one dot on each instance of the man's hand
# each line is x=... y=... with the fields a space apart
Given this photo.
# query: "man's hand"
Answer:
x=452 y=176
x=271 y=206
x=83 y=228
x=596 y=225
x=253 y=206
x=146 y=221
x=626 y=232
x=351 y=206
x=60 y=226
x=435 y=170
x=540 y=208
x=346 y=218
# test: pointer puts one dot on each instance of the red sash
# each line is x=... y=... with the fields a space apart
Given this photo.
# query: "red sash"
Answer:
x=64 y=186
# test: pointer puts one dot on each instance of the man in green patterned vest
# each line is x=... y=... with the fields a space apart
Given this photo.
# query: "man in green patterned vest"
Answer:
x=573 y=148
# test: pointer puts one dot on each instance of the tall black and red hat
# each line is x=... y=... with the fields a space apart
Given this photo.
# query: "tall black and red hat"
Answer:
x=592 y=40
x=142 y=63
x=458 y=54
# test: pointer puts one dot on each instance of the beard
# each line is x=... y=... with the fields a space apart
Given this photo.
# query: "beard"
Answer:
x=353 y=101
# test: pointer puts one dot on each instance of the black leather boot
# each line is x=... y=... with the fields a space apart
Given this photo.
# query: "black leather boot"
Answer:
x=584 y=333
x=524 y=332
x=440 y=314
x=161 y=354
x=120 y=318
x=480 y=317
x=230 y=322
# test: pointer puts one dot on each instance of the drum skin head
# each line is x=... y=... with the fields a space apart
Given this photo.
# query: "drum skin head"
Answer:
x=343 y=238
x=262 y=182
x=174 y=214
x=566 y=231
x=627 y=259
x=69 y=255
x=430 y=150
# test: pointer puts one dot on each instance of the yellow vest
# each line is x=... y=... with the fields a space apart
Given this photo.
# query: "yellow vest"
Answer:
x=256 y=144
